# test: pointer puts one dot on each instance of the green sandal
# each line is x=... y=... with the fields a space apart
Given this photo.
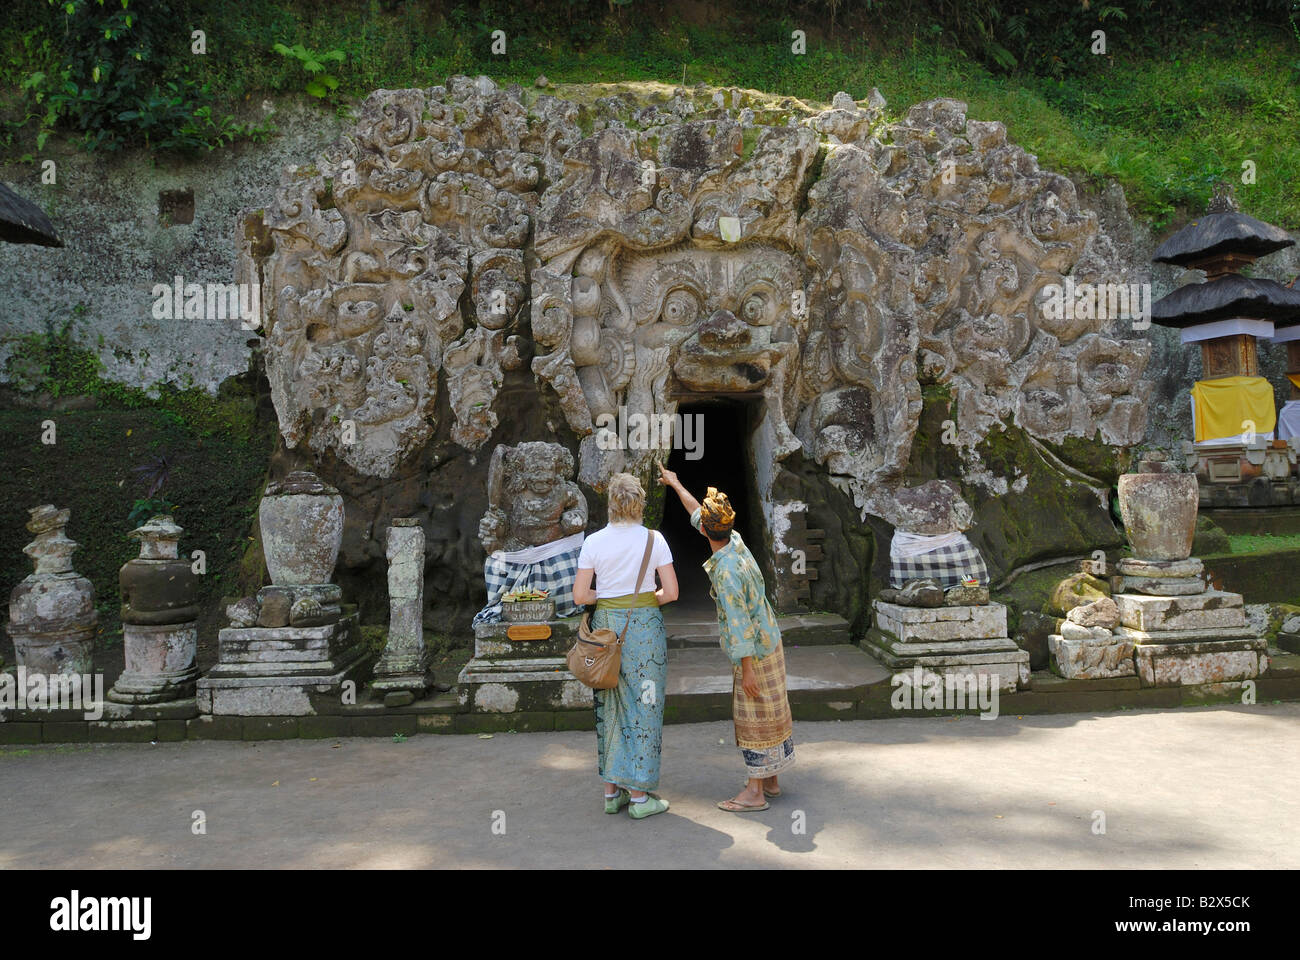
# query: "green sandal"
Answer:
x=652 y=805
x=617 y=802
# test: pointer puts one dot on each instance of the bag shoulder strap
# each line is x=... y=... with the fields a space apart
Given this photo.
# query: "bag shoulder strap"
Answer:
x=636 y=587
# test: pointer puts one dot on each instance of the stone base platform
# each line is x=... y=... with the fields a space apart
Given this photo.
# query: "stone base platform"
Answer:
x=1191 y=662
x=507 y=676
x=825 y=683
x=948 y=641
x=281 y=671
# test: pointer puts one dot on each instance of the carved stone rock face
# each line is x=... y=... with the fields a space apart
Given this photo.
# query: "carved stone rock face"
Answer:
x=827 y=264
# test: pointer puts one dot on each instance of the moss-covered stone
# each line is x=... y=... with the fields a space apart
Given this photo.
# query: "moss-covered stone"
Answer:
x=1210 y=538
x=1074 y=591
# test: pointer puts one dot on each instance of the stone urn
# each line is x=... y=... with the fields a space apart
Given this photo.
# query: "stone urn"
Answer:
x=302 y=529
x=52 y=617
x=1158 y=506
x=159 y=612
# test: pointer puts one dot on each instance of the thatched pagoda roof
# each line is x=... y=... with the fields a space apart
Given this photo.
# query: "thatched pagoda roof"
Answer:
x=1216 y=234
x=22 y=221
x=1224 y=298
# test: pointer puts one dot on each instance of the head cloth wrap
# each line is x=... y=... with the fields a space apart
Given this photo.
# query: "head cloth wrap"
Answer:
x=716 y=512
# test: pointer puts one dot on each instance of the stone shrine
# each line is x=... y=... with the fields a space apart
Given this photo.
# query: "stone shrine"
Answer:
x=159 y=619
x=295 y=641
x=52 y=617
x=1167 y=627
x=538 y=514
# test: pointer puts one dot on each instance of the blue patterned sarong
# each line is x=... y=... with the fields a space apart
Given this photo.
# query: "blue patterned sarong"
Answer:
x=630 y=717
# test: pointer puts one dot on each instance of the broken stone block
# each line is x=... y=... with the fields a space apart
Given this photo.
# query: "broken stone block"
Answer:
x=961 y=596
x=1076 y=590
x=1100 y=613
x=1210 y=610
x=1073 y=631
x=276 y=603
x=1092 y=658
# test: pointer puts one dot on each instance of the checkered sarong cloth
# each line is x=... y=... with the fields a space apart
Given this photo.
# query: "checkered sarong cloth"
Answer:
x=555 y=575
x=947 y=565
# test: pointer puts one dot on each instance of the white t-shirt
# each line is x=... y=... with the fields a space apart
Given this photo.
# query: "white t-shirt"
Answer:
x=615 y=554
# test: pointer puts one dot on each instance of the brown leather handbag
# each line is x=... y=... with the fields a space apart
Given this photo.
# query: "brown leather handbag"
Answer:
x=595 y=657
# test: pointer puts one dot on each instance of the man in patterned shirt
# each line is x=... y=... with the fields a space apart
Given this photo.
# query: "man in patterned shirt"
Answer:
x=749 y=636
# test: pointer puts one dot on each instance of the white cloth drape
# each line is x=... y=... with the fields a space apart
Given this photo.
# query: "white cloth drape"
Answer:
x=1288 y=420
x=542 y=552
x=906 y=545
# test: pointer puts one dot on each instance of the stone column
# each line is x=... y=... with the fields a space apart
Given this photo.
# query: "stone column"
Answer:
x=159 y=619
x=402 y=673
x=52 y=617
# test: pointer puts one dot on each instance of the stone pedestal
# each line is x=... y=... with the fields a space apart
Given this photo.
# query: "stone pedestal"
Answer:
x=402 y=674
x=508 y=676
x=1190 y=635
x=957 y=641
x=279 y=671
x=159 y=626
x=160 y=664
x=1191 y=639
x=52 y=617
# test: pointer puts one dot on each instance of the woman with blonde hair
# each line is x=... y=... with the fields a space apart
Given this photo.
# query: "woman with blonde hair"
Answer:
x=630 y=716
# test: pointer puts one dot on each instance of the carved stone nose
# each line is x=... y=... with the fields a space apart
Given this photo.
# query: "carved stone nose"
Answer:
x=724 y=331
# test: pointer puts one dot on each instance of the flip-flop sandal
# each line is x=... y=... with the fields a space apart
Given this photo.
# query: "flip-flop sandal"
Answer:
x=740 y=807
x=771 y=794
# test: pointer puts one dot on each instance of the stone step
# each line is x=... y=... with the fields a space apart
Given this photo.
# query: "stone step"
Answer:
x=700 y=629
x=813 y=673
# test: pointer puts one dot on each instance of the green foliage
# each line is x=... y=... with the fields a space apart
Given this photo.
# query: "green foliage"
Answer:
x=1178 y=101
x=116 y=76
x=145 y=507
x=319 y=83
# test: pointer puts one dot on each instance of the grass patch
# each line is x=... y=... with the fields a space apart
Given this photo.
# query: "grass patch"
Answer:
x=1167 y=119
x=1263 y=542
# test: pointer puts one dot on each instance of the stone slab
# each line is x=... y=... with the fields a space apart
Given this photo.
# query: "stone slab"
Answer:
x=1133 y=567
x=1188 y=664
x=1219 y=635
x=1211 y=610
x=254 y=645
x=1164 y=586
x=1093 y=658
x=988 y=655
x=927 y=624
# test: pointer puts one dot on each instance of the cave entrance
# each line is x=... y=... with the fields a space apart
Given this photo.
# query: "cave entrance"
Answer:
x=721 y=433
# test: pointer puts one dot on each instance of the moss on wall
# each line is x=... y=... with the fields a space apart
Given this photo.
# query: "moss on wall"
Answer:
x=216 y=449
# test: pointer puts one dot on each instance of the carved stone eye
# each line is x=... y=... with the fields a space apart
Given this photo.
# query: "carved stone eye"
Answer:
x=681 y=307
x=755 y=308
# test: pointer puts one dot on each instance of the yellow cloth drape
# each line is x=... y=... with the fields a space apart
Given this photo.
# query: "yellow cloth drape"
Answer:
x=1227 y=406
x=1295 y=379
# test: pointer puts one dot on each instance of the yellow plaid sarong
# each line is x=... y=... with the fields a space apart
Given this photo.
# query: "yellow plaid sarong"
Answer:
x=764 y=721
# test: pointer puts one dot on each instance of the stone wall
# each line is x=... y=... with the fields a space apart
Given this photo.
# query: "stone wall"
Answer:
x=132 y=221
